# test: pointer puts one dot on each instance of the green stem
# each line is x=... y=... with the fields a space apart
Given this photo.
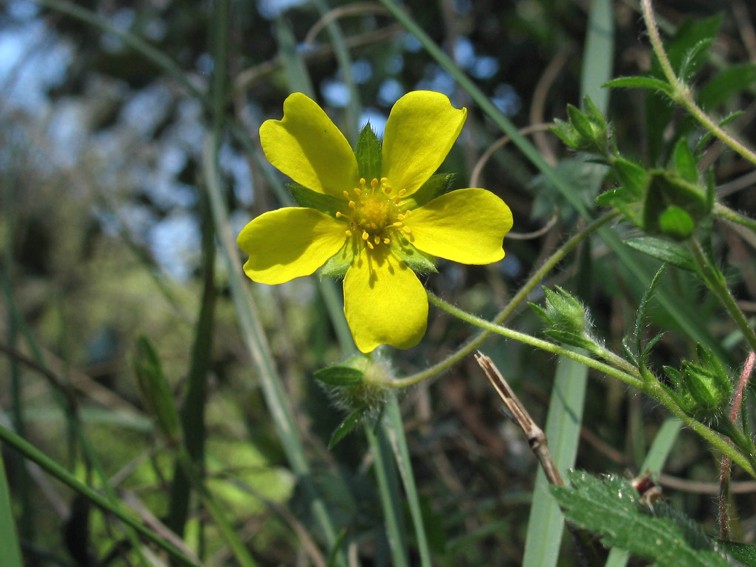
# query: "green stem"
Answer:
x=520 y=297
x=655 y=390
x=623 y=376
x=733 y=216
x=716 y=282
x=683 y=94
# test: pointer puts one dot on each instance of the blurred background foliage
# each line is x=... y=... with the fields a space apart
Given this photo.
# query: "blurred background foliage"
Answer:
x=101 y=168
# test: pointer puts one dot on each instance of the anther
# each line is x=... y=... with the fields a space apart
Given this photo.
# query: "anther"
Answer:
x=348 y=233
x=377 y=239
x=365 y=235
x=374 y=183
x=370 y=245
x=351 y=205
x=387 y=241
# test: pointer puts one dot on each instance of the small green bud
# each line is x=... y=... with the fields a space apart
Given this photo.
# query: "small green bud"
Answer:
x=567 y=319
x=358 y=384
x=586 y=130
x=703 y=387
x=673 y=206
x=563 y=311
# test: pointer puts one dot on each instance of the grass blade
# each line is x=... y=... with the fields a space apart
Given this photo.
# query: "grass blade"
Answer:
x=8 y=536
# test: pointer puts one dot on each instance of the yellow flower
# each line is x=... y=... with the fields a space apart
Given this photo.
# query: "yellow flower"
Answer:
x=374 y=214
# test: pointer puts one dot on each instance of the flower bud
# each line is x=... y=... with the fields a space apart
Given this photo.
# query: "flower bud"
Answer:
x=358 y=384
x=703 y=387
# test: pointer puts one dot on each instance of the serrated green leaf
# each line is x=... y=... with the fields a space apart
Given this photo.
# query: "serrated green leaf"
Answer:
x=339 y=375
x=346 y=427
x=742 y=552
x=636 y=82
x=368 y=154
x=664 y=250
x=611 y=508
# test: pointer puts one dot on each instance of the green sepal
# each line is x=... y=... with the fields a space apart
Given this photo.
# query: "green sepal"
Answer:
x=368 y=154
x=586 y=130
x=704 y=387
x=416 y=260
x=436 y=186
x=667 y=192
x=340 y=375
x=337 y=265
x=664 y=250
x=345 y=427
x=308 y=198
x=684 y=161
x=571 y=339
x=628 y=198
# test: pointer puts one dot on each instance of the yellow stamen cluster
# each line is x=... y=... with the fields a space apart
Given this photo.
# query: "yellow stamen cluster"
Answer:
x=372 y=213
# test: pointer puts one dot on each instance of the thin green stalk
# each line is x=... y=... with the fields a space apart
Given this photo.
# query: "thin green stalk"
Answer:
x=655 y=390
x=683 y=94
x=716 y=282
x=108 y=505
x=519 y=298
x=733 y=216
x=524 y=338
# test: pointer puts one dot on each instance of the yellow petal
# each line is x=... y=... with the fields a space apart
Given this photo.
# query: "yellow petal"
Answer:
x=384 y=302
x=466 y=226
x=289 y=243
x=419 y=133
x=309 y=148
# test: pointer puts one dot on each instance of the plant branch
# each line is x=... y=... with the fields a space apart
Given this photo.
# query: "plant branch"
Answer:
x=683 y=94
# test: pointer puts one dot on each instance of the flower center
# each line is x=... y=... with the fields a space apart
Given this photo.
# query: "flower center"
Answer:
x=373 y=214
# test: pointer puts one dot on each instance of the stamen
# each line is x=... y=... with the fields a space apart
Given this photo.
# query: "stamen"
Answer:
x=351 y=205
x=387 y=241
x=374 y=183
x=357 y=191
x=370 y=245
x=346 y=194
x=377 y=239
x=348 y=233
x=339 y=214
x=365 y=235
x=406 y=230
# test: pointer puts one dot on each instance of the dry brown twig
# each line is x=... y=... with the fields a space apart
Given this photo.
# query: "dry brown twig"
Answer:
x=534 y=434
